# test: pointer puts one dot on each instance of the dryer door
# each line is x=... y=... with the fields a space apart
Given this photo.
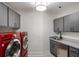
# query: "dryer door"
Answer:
x=25 y=42
x=13 y=49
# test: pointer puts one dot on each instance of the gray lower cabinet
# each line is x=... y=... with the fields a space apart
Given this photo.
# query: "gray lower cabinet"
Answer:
x=73 y=52
x=58 y=49
x=62 y=50
x=53 y=47
x=58 y=24
x=3 y=15
x=14 y=19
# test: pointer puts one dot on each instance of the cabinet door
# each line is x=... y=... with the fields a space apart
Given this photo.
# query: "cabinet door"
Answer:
x=56 y=28
x=69 y=23
x=3 y=15
x=14 y=19
x=62 y=50
x=53 y=47
x=75 y=17
x=17 y=20
x=73 y=52
x=58 y=24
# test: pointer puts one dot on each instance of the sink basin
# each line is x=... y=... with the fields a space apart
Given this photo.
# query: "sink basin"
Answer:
x=55 y=37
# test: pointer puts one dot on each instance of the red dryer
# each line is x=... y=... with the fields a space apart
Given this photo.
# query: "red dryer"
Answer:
x=10 y=45
x=13 y=44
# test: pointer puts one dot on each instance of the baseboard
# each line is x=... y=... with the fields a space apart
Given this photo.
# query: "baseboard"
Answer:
x=40 y=54
x=35 y=54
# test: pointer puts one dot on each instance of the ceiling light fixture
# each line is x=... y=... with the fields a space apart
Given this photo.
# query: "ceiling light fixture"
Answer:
x=41 y=6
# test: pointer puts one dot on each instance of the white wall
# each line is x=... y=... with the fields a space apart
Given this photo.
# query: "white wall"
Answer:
x=32 y=22
x=48 y=30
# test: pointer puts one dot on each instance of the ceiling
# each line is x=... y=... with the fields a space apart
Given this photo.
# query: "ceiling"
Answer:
x=52 y=8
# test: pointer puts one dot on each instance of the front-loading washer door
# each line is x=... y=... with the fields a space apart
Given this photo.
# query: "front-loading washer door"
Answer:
x=13 y=49
x=25 y=42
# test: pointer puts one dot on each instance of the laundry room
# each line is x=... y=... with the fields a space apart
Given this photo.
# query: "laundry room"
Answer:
x=39 y=29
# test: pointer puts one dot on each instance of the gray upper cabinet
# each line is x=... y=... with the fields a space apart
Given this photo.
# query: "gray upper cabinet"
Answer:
x=68 y=23
x=56 y=28
x=58 y=24
x=3 y=15
x=76 y=21
x=71 y=23
x=8 y=17
x=14 y=19
x=17 y=20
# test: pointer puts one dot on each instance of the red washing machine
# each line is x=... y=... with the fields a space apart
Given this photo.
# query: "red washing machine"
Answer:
x=10 y=45
x=24 y=47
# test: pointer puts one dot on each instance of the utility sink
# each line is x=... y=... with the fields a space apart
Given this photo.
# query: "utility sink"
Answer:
x=55 y=37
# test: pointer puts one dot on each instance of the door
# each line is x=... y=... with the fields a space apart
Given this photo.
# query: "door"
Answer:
x=3 y=15
x=53 y=47
x=62 y=50
x=71 y=23
x=75 y=17
x=17 y=20
x=13 y=49
x=14 y=19
x=73 y=52
x=56 y=28
x=68 y=23
x=58 y=24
